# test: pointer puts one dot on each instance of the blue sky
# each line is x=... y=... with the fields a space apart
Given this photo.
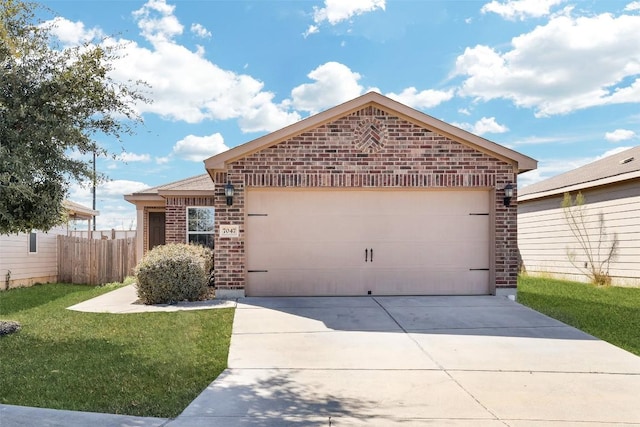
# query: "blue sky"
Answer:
x=557 y=80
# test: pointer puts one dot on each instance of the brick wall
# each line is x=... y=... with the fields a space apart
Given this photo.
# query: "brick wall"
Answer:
x=366 y=149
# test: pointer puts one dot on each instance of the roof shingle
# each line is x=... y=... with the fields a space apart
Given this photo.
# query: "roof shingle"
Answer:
x=618 y=165
x=201 y=182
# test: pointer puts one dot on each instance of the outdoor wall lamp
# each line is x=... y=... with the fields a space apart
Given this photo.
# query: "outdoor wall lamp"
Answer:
x=508 y=194
x=228 y=192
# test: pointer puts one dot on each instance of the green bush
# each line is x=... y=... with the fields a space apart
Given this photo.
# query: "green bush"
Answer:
x=174 y=272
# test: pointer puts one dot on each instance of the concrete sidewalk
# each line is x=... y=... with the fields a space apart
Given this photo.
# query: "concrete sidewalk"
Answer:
x=391 y=361
x=22 y=416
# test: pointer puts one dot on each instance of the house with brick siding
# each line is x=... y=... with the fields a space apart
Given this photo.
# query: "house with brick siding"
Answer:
x=370 y=197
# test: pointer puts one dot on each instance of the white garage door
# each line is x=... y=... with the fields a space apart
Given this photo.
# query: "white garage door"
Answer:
x=354 y=242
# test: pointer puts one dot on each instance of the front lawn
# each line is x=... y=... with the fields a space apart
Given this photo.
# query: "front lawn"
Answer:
x=609 y=313
x=147 y=364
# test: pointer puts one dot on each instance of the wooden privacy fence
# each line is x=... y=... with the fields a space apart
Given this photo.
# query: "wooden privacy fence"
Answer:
x=95 y=262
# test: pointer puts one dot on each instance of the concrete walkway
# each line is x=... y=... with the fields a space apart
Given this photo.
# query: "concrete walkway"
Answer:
x=124 y=300
x=391 y=361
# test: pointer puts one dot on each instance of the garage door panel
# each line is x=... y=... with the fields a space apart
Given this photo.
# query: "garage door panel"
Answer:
x=287 y=282
x=348 y=282
x=427 y=256
x=430 y=227
x=439 y=282
x=429 y=202
x=270 y=255
x=298 y=227
x=314 y=242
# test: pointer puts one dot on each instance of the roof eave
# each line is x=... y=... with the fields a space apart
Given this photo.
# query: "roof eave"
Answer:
x=143 y=197
x=79 y=211
x=580 y=186
x=186 y=193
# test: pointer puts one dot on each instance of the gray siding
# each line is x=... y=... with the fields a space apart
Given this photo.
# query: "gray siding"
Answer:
x=544 y=236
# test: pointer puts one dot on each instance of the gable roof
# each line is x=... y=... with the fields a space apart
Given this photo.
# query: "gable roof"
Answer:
x=219 y=162
x=199 y=184
x=615 y=168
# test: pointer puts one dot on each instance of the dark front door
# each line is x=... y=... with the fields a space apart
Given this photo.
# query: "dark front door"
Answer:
x=156 y=229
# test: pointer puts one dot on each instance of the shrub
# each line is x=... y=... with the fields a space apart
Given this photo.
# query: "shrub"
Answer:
x=174 y=272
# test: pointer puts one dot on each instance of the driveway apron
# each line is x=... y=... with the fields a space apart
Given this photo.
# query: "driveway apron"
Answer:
x=410 y=361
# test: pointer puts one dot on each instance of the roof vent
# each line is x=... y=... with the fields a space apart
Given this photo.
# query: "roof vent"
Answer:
x=627 y=160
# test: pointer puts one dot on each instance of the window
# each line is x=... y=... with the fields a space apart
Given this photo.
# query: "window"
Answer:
x=200 y=226
x=33 y=242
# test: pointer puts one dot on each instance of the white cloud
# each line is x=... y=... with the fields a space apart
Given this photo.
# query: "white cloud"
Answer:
x=336 y=11
x=559 y=67
x=334 y=83
x=133 y=157
x=619 y=135
x=520 y=9
x=200 y=31
x=488 y=125
x=115 y=212
x=424 y=99
x=154 y=28
x=72 y=33
x=186 y=86
x=610 y=153
x=483 y=126
x=313 y=29
x=548 y=168
x=118 y=187
x=539 y=140
x=634 y=5
x=264 y=115
x=198 y=148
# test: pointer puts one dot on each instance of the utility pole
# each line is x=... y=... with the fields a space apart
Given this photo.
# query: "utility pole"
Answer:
x=93 y=189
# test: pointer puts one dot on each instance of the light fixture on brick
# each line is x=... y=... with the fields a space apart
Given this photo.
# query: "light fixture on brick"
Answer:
x=228 y=192
x=508 y=194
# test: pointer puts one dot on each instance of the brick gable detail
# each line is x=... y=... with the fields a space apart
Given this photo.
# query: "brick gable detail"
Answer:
x=334 y=155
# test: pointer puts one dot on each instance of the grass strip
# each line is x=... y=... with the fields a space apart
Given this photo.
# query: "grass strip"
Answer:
x=609 y=313
x=145 y=364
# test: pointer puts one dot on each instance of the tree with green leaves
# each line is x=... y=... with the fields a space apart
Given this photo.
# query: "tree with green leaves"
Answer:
x=53 y=103
x=596 y=248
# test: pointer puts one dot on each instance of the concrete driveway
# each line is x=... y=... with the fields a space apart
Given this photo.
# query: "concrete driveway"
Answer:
x=414 y=361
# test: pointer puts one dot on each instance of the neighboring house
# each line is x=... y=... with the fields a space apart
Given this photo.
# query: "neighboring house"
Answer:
x=369 y=197
x=611 y=186
x=28 y=258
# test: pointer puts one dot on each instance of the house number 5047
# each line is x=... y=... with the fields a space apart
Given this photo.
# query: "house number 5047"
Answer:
x=229 y=231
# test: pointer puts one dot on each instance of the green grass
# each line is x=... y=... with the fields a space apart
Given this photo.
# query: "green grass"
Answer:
x=609 y=313
x=146 y=364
